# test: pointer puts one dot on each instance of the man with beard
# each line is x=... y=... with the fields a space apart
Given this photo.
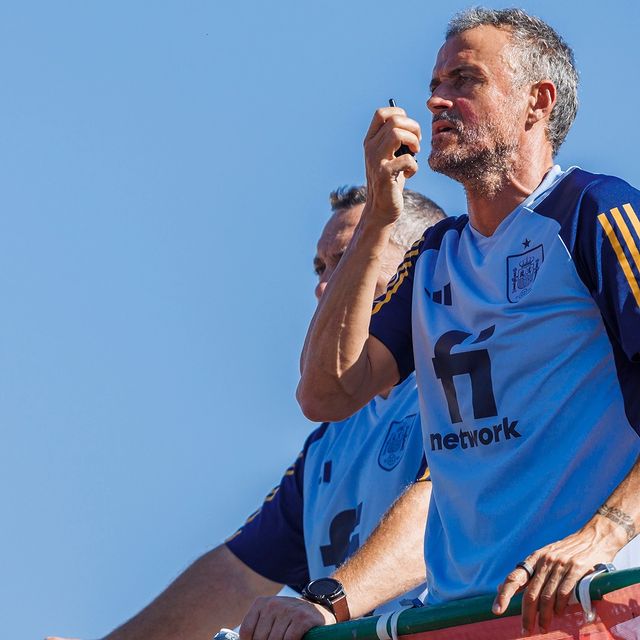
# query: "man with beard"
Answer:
x=522 y=321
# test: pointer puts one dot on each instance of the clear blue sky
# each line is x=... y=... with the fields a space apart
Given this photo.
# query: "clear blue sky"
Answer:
x=165 y=171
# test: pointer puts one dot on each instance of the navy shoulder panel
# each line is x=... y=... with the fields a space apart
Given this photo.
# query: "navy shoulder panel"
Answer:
x=433 y=236
x=271 y=541
x=577 y=199
x=563 y=204
x=600 y=228
x=391 y=313
x=314 y=436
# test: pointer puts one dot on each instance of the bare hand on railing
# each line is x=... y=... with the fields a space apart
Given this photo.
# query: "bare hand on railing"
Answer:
x=283 y=618
x=556 y=569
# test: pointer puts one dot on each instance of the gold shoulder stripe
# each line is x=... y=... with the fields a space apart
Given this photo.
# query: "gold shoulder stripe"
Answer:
x=626 y=234
x=633 y=217
x=410 y=254
x=390 y=292
x=416 y=243
x=425 y=476
x=235 y=535
x=400 y=275
x=622 y=258
x=253 y=516
x=291 y=471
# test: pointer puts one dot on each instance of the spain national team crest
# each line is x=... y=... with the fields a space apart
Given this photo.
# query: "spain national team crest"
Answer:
x=522 y=270
x=395 y=443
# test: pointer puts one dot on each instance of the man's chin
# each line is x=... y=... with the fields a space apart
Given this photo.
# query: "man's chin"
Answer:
x=481 y=171
x=447 y=163
x=463 y=168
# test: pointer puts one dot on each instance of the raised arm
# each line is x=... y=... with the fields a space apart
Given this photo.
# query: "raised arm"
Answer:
x=342 y=366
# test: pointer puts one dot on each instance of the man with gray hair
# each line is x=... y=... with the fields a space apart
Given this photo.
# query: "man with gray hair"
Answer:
x=529 y=376
x=333 y=495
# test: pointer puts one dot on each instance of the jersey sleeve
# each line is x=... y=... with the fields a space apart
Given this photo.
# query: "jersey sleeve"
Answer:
x=423 y=471
x=608 y=254
x=608 y=260
x=391 y=313
x=271 y=541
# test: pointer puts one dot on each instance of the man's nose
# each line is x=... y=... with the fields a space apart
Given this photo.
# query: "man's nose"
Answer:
x=320 y=287
x=438 y=103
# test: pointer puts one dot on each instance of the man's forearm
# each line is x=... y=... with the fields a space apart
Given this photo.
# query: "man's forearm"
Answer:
x=556 y=568
x=617 y=521
x=214 y=592
x=334 y=362
x=391 y=561
x=342 y=369
x=388 y=564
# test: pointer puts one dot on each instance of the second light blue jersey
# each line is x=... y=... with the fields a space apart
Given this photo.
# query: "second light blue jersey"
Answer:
x=332 y=497
x=525 y=345
x=355 y=471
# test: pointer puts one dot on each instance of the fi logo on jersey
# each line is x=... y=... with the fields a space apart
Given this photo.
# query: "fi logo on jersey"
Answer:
x=522 y=270
x=395 y=442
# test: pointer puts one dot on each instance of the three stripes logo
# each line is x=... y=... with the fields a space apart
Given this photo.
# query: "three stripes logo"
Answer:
x=618 y=226
x=443 y=296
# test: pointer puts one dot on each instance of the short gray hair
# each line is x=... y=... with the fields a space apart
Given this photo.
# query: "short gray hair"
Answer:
x=419 y=212
x=541 y=53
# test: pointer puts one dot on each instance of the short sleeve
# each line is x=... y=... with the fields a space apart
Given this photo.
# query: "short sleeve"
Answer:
x=600 y=227
x=271 y=541
x=608 y=258
x=423 y=472
x=391 y=313
x=608 y=261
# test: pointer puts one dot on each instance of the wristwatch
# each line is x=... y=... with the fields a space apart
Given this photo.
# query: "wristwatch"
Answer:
x=330 y=594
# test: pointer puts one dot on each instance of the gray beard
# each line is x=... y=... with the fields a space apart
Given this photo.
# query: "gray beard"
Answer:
x=479 y=168
x=480 y=171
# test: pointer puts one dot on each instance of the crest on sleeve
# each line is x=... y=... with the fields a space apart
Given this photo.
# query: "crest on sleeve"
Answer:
x=522 y=270
x=395 y=442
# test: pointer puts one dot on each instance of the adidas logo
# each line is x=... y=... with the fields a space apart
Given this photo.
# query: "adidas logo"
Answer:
x=443 y=296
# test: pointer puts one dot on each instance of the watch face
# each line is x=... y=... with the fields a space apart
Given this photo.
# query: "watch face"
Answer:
x=324 y=588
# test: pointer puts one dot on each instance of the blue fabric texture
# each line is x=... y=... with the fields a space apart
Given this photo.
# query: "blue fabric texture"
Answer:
x=330 y=500
x=525 y=346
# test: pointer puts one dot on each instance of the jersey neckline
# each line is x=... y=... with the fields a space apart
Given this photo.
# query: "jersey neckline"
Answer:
x=550 y=180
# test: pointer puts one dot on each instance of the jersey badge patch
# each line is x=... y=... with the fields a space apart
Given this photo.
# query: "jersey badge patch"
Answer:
x=522 y=270
x=395 y=443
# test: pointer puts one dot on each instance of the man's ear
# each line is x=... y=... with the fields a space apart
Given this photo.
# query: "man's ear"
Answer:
x=541 y=101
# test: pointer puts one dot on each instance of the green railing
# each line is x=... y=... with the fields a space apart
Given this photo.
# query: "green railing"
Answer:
x=453 y=614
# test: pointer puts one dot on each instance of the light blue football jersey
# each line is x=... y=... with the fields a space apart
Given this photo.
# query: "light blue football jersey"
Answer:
x=526 y=347
x=354 y=472
x=331 y=498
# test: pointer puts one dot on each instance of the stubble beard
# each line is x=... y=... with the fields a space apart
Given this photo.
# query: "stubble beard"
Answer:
x=480 y=166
